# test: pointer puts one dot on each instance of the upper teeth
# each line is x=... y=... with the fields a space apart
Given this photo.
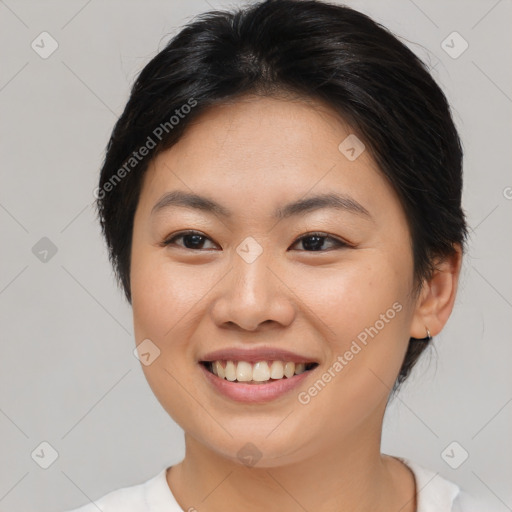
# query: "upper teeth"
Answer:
x=261 y=371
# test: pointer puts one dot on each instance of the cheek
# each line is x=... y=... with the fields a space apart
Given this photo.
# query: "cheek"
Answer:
x=363 y=313
x=164 y=296
x=347 y=300
x=163 y=300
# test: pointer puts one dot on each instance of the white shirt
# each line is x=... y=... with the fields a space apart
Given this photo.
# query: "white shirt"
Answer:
x=434 y=494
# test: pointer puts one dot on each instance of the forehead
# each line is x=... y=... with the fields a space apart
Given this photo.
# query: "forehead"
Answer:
x=264 y=132
x=267 y=150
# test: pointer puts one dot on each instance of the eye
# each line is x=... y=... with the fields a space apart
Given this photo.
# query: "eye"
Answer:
x=315 y=241
x=191 y=240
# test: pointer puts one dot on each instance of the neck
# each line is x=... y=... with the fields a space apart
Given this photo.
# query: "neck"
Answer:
x=351 y=475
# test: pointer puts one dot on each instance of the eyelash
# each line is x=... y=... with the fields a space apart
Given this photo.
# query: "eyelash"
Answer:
x=340 y=244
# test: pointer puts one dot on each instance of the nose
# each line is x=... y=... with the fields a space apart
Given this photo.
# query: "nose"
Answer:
x=253 y=296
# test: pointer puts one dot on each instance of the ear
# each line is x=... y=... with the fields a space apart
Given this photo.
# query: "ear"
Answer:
x=437 y=297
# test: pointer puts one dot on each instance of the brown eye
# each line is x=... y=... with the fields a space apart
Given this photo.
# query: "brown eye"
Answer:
x=191 y=240
x=315 y=241
x=312 y=242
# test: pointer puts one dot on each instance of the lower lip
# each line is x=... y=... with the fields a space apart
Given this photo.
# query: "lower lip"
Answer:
x=254 y=393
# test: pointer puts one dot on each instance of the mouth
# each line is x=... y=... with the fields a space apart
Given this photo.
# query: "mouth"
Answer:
x=259 y=372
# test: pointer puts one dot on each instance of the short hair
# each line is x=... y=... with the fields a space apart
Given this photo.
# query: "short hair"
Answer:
x=315 y=50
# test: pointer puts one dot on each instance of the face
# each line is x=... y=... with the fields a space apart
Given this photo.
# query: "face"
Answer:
x=329 y=283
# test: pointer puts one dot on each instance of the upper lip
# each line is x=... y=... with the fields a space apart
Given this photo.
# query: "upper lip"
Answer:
x=253 y=355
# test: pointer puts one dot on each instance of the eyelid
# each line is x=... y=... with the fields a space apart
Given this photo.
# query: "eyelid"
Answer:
x=323 y=235
x=168 y=240
x=341 y=243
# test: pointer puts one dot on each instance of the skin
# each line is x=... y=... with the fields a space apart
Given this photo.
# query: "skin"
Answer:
x=253 y=155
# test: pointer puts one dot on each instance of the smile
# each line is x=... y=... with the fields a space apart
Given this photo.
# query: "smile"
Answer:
x=238 y=380
x=255 y=373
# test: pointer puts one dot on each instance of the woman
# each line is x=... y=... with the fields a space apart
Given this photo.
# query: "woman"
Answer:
x=281 y=200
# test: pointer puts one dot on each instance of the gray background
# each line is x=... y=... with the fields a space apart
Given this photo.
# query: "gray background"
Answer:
x=68 y=375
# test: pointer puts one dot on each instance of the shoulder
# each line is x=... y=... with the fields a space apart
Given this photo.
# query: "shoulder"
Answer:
x=437 y=494
x=136 y=498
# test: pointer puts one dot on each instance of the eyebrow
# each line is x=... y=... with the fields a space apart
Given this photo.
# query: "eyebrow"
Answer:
x=179 y=198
